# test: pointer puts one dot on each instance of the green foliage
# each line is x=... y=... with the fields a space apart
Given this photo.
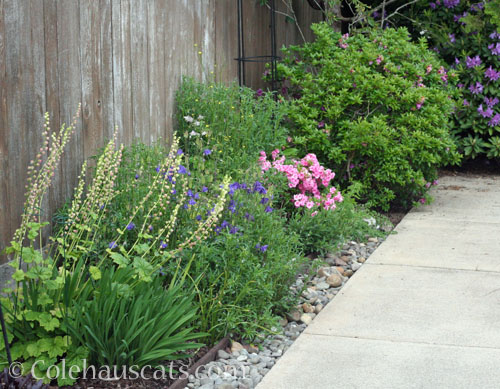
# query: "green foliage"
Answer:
x=374 y=108
x=138 y=323
x=243 y=273
x=233 y=123
x=325 y=231
x=460 y=32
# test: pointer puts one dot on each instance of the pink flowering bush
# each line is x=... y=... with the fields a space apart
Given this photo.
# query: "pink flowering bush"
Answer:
x=308 y=178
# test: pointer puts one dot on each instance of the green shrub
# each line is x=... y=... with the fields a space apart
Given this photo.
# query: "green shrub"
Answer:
x=465 y=36
x=327 y=230
x=374 y=107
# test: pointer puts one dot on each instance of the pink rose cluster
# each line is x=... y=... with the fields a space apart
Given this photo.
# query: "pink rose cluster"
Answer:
x=308 y=176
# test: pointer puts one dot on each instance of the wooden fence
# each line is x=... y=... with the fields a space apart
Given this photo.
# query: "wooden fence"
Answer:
x=123 y=60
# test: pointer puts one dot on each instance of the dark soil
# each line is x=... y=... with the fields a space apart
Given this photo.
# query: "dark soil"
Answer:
x=478 y=167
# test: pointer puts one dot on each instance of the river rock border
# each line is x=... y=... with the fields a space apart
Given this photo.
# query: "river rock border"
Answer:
x=243 y=366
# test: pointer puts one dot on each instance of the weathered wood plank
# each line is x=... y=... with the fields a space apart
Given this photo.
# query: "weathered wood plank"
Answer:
x=107 y=91
x=139 y=58
x=156 y=75
x=92 y=84
x=52 y=102
x=70 y=90
x=5 y=214
x=122 y=73
x=16 y=39
x=226 y=40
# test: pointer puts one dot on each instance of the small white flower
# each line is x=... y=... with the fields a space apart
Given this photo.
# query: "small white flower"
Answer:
x=200 y=117
x=204 y=133
x=193 y=133
x=196 y=123
x=188 y=119
x=423 y=32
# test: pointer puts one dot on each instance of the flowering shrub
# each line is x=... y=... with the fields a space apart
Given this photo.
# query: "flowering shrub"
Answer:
x=308 y=176
x=375 y=108
x=466 y=37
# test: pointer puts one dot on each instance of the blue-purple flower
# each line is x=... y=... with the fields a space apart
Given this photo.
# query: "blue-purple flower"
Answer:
x=451 y=3
x=492 y=74
x=494 y=48
x=198 y=217
x=476 y=88
x=473 y=62
x=259 y=188
x=494 y=121
x=112 y=245
x=204 y=189
x=182 y=169
x=485 y=114
x=207 y=152
x=130 y=226
x=180 y=152
x=163 y=245
x=262 y=248
x=268 y=209
x=137 y=176
x=264 y=200
x=491 y=102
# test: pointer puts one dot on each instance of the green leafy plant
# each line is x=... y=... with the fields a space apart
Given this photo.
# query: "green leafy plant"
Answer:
x=222 y=127
x=373 y=107
x=325 y=231
x=139 y=323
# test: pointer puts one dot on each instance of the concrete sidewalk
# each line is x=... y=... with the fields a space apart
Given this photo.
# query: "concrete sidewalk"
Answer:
x=423 y=312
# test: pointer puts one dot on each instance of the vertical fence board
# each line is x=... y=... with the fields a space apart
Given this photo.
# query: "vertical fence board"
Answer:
x=70 y=90
x=226 y=40
x=156 y=75
x=52 y=103
x=5 y=205
x=16 y=124
x=140 y=59
x=122 y=64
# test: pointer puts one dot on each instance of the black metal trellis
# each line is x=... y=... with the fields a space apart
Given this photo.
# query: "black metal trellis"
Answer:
x=273 y=58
